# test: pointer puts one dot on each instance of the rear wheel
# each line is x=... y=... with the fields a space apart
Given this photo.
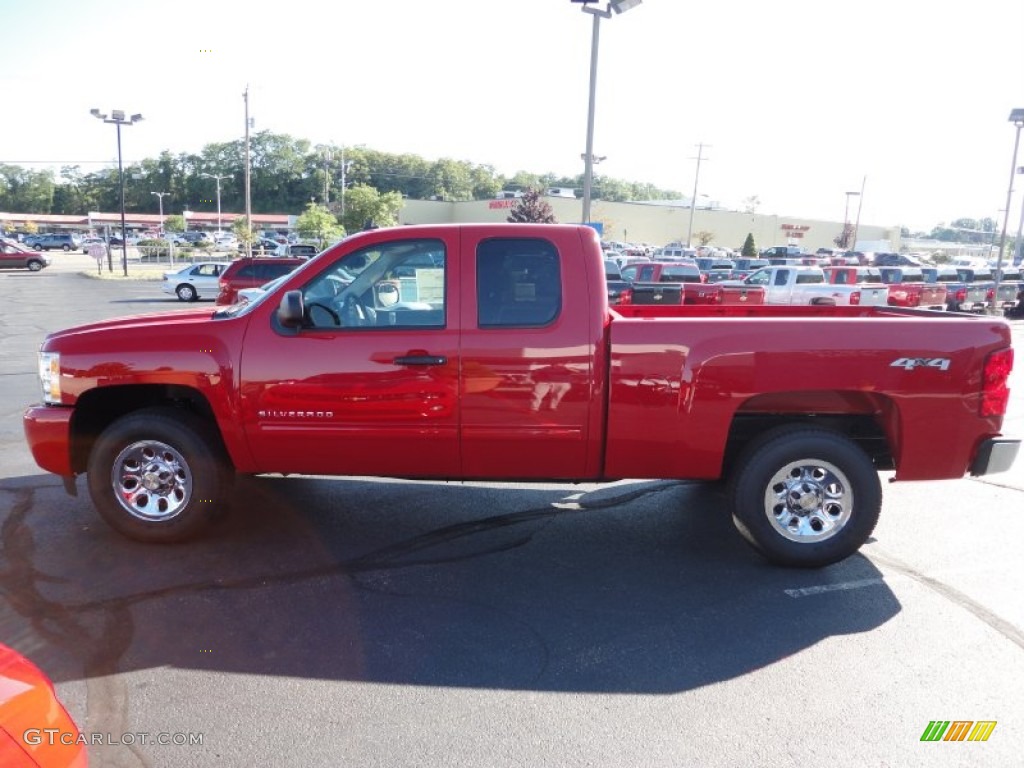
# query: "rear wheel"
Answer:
x=805 y=497
x=157 y=475
x=65 y=247
x=186 y=292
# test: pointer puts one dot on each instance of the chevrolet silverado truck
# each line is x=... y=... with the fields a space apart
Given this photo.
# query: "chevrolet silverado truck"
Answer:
x=962 y=293
x=808 y=285
x=489 y=352
x=907 y=288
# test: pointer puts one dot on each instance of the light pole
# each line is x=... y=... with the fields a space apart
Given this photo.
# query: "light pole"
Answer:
x=619 y=6
x=117 y=117
x=1017 y=118
x=218 y=178
x=846 y=221
x=160 y=197
x=1020 y=228
x=693 y=200
x=860 y=204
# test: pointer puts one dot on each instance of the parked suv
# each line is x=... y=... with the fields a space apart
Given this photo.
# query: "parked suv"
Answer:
x=252 y=272
x=52 y=242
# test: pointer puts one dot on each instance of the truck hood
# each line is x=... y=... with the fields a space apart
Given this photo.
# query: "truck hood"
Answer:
x=174 y=317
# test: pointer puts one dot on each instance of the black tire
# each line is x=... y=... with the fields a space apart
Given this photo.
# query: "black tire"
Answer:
x=175 y=452
x=65 y=248
x=186 y=292
x=34 y=265
x=805 y=497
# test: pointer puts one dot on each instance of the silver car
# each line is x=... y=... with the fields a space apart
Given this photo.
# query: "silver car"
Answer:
x=195 y=281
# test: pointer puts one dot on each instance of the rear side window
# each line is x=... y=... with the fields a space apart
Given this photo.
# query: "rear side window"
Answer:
x=809 y=277
x=247 y=272
x=518 y=282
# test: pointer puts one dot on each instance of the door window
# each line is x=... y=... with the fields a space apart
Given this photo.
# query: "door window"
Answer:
x=519 y=283
x=399 y=284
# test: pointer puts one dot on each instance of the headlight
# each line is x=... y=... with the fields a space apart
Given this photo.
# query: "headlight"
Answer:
x=49 y=376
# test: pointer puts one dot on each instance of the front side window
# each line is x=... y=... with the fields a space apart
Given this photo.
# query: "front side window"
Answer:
x=398 y=284
x=519 y=283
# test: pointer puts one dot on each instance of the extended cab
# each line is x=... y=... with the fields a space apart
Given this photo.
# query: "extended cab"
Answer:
x=807 y=285
x=489 y=351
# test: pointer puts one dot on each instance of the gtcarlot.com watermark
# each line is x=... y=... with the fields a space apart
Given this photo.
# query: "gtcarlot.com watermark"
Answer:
x=53 y=736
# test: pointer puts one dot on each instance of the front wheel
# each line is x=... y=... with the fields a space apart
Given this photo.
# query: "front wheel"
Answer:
x=35 y=265
x=157 y=475
x=805 y=497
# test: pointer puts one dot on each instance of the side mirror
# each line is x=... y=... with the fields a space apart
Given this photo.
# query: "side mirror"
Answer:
x=290 y=313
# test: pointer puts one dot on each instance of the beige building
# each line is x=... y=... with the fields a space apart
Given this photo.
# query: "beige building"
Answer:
x=659 y=224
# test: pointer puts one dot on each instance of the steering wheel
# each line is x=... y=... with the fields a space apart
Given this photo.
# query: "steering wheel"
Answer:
x=335 y=317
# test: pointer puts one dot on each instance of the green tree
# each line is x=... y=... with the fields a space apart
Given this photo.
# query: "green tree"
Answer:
x=318 y=223
x=243 y=230
x=364 y=204
x=174 y=224
x=749 y=250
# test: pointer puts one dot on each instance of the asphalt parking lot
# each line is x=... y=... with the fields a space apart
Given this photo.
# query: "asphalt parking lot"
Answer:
x=385 y=623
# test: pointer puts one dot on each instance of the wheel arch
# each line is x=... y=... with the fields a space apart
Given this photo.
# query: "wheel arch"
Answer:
x=868 y=418
x=98 y=408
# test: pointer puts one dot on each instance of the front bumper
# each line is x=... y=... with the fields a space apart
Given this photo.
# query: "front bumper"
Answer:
x=48 y=432
x=995 y=455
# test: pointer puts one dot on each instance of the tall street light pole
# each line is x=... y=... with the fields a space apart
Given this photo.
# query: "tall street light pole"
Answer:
x=618 y=6
x=860 y=204
x=1017 y=118
x=693 y=200
x=217 y=178
x=1020 y=228
x=846 y=222
x=117 y=117
x=160 y=197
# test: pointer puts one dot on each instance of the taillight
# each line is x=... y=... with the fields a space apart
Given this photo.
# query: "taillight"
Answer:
x=222 y=283
x=855 y=297
x=994 y=393
x=990 y=294
x=626 y=297
x=961 y=294
x=703 y=277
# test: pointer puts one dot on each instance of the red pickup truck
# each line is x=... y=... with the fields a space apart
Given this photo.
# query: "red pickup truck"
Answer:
x=908 y=288
x=489 y=351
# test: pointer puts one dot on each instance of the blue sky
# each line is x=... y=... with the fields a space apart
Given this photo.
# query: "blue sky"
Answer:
x=799 y=101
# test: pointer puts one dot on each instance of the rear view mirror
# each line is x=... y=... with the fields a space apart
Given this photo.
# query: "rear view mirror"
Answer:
x=290 y=312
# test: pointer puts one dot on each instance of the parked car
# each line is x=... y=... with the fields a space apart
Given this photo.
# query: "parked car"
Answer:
x=86 y=242
x=16 y=256
x=962 y=295
x=54 y=242
x=35 y=728
x=195 y=281
x=743 y=266
x=195 y=237
x=252 y=272
x=305 y=250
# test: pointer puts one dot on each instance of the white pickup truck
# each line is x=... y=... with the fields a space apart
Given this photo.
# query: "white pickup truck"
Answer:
x=808 y=285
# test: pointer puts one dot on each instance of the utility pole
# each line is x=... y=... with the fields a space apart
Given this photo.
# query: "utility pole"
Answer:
x=860 y=204
x=160 y=197
x=248 y=175
x=327 y=176
x=693 y=200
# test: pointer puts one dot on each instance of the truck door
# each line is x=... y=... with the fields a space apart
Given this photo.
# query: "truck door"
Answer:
x=531 y=318
x=369 y=383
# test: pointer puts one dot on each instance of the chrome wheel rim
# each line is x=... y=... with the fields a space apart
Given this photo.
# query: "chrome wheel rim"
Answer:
x=808 y=500
x=151 y=480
